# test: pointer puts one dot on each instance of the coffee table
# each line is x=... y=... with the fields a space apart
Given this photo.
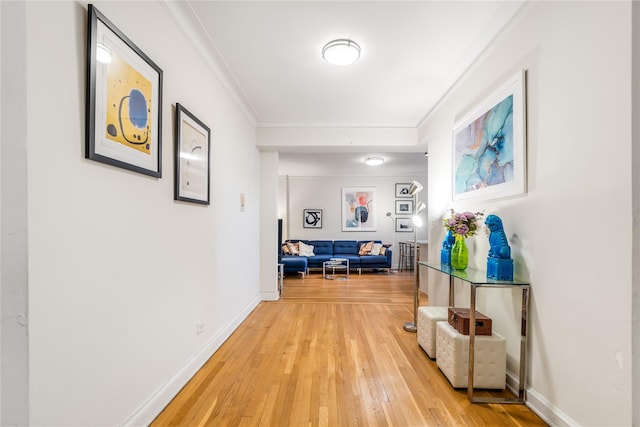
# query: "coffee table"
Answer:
x=339 y=264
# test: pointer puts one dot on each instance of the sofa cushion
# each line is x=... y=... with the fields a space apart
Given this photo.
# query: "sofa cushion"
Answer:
x=365 y=248
x=294 y=264
x=345 y=247
x=305 y=250
x=373 y=260
x=375 y=249
x=360 y=242
x=317 y=260
x=322 y=247
x=293 y=248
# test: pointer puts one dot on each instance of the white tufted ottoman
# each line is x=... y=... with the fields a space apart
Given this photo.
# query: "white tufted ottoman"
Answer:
x=428 y=316
x=490 y=367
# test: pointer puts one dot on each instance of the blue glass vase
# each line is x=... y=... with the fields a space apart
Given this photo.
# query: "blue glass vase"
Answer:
x=459 y=254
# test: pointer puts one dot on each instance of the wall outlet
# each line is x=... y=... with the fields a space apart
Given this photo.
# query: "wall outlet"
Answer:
x=199 y=328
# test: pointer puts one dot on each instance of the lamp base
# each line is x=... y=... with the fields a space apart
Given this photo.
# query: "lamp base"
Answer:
x=410 y=327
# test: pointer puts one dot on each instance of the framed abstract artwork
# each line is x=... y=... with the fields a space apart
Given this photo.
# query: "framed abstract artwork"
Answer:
x=193 y=142
x=404 y=225
x=359 y=209
x=404 y=207
x=312 y=218
x=123 y=101
x=402 y=189
x=489 y=145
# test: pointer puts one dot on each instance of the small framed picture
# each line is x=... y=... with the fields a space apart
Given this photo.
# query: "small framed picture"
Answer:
x=402 y=190
x=193 y=139
x=312 y=218
x=404 y=207
x=404 y=225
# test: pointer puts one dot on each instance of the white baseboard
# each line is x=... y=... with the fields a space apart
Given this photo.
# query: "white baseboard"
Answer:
x=549 y=413
x=512 y=382
x=158 y=400
x=270 y=296
x=540 y=405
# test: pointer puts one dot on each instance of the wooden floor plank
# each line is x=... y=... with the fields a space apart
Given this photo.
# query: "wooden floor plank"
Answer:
x=331 y=353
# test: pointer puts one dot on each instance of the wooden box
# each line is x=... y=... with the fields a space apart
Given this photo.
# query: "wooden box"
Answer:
x=459 y=319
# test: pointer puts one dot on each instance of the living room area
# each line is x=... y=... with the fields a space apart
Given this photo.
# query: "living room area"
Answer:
x=321 y=190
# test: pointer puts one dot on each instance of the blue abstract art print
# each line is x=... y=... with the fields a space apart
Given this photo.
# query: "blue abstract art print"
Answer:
x=489 y=149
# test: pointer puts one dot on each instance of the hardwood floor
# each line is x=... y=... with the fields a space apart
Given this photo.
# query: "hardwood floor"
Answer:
x=331 y=353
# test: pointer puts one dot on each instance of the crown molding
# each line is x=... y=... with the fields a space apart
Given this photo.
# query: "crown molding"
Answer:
x=188 y=22
x=320 y=125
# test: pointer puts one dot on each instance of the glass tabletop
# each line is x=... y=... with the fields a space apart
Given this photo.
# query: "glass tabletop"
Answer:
x=476 y=277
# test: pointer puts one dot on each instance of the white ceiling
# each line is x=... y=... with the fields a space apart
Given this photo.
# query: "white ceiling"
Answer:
x=412 y=53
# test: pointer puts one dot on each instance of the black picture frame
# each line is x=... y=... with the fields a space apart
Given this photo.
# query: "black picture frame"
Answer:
x=123 y=101
x=404 y=225
x=312 y=218
x=404 y=207
x=402 y=190
x=192 y=158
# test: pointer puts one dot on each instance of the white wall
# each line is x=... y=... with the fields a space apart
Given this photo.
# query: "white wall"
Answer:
x=570 y=233
x=13 y=213
x=1 y=228
x=268 y=225
x=325 y=192
x=635 y=304
x=119 y=273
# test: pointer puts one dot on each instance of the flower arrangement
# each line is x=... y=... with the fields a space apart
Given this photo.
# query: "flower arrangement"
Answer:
x=463 y=224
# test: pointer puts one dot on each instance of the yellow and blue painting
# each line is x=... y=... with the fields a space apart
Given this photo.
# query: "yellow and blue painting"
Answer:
x=484 y=150
x=128 y=106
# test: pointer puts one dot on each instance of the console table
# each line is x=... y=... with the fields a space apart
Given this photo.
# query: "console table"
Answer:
x=477 y=279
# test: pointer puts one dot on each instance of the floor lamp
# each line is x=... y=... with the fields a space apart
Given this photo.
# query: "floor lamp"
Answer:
x=414 y=189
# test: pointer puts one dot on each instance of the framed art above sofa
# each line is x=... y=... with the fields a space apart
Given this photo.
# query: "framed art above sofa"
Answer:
x=312 y=218
x=359 y=209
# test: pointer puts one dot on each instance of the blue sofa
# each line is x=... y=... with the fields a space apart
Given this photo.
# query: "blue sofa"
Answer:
x=324 y=250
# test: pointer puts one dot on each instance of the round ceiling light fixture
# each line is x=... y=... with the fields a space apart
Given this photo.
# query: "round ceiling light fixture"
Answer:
x=341 y=52
x=374 y=161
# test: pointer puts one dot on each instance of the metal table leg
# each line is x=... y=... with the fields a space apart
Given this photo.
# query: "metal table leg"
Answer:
x=523 y=353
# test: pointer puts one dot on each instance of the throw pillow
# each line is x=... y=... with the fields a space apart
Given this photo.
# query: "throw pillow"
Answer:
x=285 y=249
x=383 y=250
x=375 y=248
x=305 y=250
x=293 y=248
x=365 y=248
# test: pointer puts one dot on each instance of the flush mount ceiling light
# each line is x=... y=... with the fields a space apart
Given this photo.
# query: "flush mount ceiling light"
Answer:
x=373 y=161
x=341 y=52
